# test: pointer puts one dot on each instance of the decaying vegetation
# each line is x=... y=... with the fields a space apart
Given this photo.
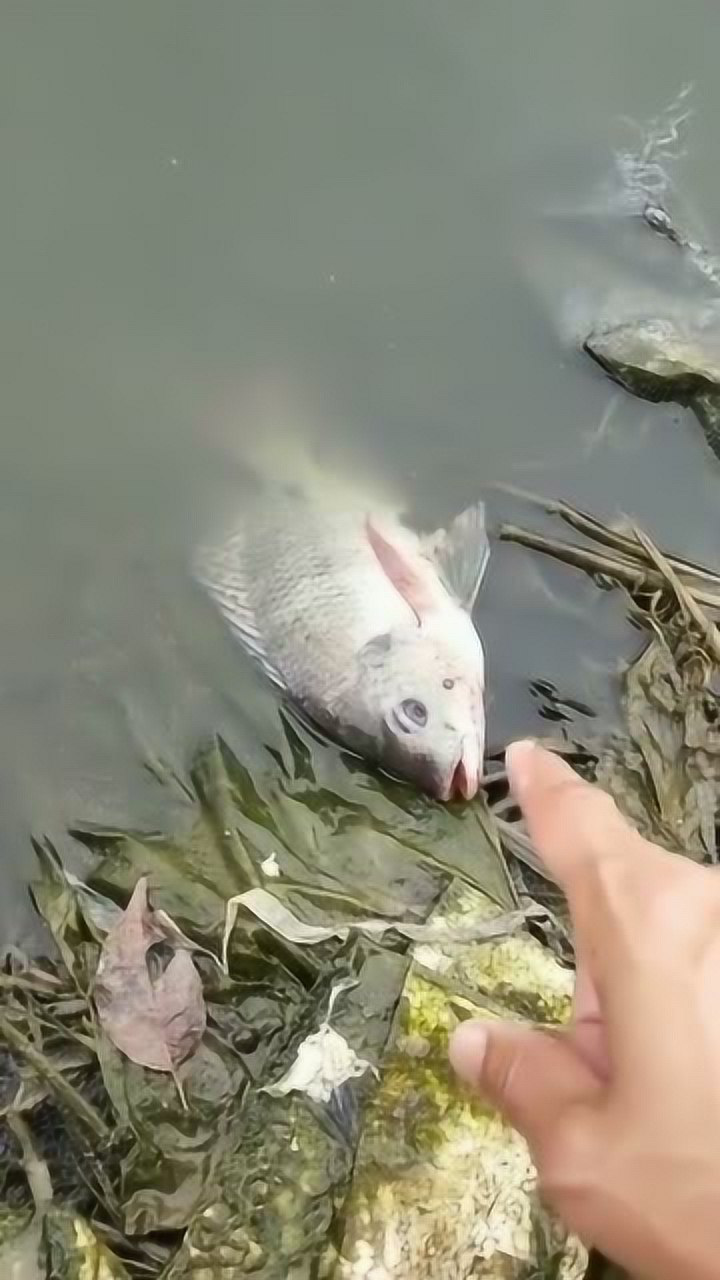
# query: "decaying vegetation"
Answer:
x=233 y=1058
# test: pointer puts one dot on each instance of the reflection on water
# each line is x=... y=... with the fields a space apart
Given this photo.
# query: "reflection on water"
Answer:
x=383 y=208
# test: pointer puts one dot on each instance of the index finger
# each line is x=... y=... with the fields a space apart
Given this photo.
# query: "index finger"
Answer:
x=598 y=859
x=643 y=918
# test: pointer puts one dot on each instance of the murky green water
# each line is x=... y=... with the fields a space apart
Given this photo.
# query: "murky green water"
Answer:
x=375 y=206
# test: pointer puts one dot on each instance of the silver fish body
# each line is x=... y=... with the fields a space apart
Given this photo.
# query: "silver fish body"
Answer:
x=366 y=627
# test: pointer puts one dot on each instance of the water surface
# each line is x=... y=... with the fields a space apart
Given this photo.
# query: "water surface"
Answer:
x=378 y=208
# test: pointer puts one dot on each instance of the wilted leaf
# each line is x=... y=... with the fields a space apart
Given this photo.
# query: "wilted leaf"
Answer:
x=60 y=902
x=20 y=1241
x=282 y=921
x=156 y=1023
x=666 y=775
x=99 y=912
x=45 y=1069
x=167 y=1171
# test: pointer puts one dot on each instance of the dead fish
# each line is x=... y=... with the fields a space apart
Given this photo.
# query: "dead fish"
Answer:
x=656 y=360
x=366 y=626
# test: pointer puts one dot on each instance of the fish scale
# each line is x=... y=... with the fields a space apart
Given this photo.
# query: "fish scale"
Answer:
x=317 y=593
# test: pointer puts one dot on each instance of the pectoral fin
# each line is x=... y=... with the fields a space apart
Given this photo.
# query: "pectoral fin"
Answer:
x=408 y=574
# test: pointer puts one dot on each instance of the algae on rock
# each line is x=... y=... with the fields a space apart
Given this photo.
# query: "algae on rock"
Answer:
x=442 y=1186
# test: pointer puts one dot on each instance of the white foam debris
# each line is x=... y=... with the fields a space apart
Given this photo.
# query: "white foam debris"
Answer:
x=324 y=1061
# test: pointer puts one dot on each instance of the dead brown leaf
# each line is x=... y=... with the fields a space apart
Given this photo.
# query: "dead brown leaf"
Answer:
x=157 y=1023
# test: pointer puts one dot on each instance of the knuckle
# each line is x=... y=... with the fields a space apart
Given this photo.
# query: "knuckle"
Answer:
x=610 y=877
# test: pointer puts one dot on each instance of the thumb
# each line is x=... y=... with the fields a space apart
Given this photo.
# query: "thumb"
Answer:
x=530 y=1076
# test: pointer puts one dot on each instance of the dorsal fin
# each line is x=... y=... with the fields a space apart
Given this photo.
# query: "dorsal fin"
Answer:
x=461 y=553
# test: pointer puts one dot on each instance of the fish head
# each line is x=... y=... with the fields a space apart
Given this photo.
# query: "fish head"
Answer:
x=427 y=696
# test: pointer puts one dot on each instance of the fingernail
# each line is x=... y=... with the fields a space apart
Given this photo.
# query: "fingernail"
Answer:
x=467 y=1051
x=518 y=761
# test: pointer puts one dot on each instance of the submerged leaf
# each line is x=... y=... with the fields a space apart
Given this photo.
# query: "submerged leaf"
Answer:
x=170 y=1168
x=157 y=1024
x=61 y=902
x=275 y=1201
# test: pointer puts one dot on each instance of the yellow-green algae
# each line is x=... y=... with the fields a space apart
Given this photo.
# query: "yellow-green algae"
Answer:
x=55 y=1243
x=444 y=1189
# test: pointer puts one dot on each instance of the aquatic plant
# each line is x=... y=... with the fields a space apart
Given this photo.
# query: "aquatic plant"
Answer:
x=232 y=1059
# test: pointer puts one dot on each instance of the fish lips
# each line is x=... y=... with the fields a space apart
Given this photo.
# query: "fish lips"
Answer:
x=444 y=775
x=463 y=781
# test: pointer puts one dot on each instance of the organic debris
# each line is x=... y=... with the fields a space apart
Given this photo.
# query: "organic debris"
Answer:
x=244 y=1079
x=156 y=1022
x=441 y=1181
x=324 y=1062
x=665 y=772
x=265 y=907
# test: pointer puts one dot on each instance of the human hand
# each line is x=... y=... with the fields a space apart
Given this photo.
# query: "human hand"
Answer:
x=621 y=1110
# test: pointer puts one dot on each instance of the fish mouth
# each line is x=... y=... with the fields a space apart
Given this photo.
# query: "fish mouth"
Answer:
x=464 y=780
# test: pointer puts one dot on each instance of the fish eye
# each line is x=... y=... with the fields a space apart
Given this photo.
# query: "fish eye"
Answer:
x=414 y=711
x=448 y=684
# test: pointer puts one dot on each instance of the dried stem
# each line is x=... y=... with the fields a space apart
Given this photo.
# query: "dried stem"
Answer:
x=687 y=600
x=36 y=1170
x=54 y=1078
x=637 y=576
